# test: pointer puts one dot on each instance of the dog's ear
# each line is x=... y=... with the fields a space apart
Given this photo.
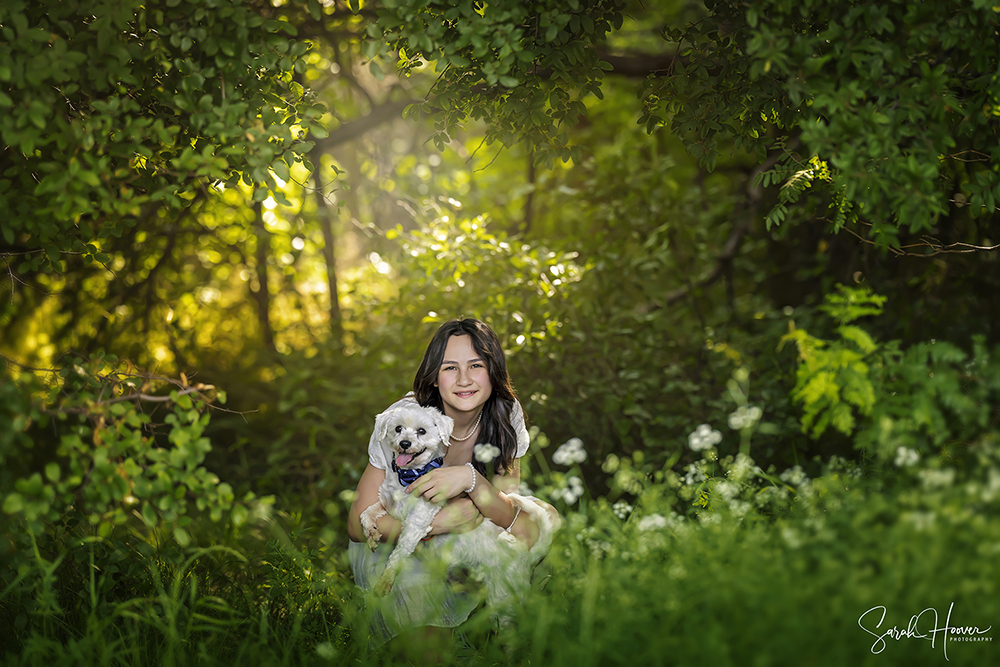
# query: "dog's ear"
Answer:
x=382 y=424
x=444 y=425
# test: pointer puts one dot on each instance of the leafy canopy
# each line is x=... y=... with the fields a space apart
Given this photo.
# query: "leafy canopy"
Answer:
x=522 y=67
x=110 y=110
x=899 y=99
x=892 y=110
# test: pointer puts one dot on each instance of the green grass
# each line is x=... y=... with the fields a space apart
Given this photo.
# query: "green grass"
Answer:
x=742 y=580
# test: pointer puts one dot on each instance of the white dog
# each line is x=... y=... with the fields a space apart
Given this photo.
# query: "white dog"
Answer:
x=414 y=438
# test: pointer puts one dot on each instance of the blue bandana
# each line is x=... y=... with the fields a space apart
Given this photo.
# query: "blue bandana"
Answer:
x=407 y=477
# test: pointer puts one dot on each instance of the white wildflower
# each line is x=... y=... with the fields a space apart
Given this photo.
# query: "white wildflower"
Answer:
x=572 y=491
x=769 y=494
x=742 y=468
x=791 y=537
x=935 y=479
x=727 y=490
x=794 y=476
x=694 y=475
x=922 y=521
x=599 y=548
x=630 y=480
x=652 y=522
x=485 y=453
x=906 y=457
x=570 y=452
x=744 y=417
x=704 y=437
x=326 y=650
x=675 y=521
x=622 y=509
x=739 y=507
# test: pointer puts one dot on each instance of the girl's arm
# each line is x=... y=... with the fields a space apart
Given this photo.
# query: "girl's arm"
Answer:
x=489 y=498
x=493 y=502
x=458 y=515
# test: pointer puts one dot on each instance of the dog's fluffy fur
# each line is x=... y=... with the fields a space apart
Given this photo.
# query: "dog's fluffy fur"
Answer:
x=414 y=436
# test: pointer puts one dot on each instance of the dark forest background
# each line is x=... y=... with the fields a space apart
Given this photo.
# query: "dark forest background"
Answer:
x=230 y=228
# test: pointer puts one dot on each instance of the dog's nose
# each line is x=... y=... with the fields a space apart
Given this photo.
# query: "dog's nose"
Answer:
x=405 y=444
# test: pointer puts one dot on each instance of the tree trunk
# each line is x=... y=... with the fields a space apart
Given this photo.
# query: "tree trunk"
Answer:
x=263 y=294
x=325 y=218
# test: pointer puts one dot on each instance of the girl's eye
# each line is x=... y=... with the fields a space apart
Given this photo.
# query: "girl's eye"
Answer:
x=421 y=431
x=399 y=429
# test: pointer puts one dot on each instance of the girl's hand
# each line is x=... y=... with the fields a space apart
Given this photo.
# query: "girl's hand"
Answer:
x=441 y=484
x=459 y=515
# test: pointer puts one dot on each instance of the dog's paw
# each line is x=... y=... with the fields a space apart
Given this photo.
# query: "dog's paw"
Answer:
x=373 y=539
x=384 y=585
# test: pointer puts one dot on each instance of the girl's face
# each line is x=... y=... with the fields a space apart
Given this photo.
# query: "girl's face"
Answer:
x=463 y=379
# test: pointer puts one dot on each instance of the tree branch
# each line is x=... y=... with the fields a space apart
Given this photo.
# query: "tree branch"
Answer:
x=355 y=129
x=641 y=65
x=732 y=245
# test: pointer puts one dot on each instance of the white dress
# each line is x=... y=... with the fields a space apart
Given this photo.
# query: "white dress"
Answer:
x=419 y=596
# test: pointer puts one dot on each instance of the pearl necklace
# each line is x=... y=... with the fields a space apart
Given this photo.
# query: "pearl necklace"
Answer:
x=471 y=430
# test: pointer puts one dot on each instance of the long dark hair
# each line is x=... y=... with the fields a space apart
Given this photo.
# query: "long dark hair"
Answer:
x=496 y=428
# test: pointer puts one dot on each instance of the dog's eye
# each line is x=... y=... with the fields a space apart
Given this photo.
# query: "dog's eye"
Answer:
x=421 y=431
x=399 y=429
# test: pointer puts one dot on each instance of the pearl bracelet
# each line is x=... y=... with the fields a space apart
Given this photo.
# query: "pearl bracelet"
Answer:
x=473 y=469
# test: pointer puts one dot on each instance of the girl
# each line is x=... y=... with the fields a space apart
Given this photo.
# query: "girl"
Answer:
x=464 y=375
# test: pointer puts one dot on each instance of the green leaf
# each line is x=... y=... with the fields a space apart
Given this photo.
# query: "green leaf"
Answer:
x=182 y=536
x=52 y=472
x=239 y=515
x=149 y=515
x=859 y=337
x=13 y=503
x=280 y=170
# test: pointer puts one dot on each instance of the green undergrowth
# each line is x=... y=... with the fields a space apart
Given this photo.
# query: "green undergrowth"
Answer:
x=765 y=569
x=130 y=552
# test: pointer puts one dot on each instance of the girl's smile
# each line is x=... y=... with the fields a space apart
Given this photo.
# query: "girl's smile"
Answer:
x=463 y=380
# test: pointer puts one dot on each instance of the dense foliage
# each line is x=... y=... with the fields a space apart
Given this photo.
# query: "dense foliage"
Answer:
x=739 y=257
x=112 y=110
